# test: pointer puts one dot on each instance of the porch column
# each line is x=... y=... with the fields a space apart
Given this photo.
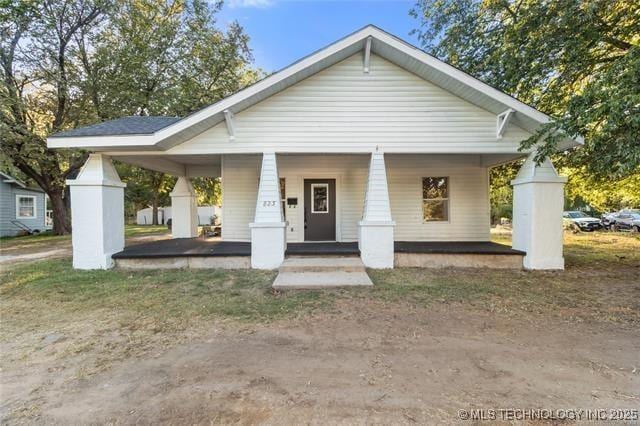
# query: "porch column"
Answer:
x=268 y=230
x=97 y=214
x=184 y=210
x=376 y=228
x=538 y=201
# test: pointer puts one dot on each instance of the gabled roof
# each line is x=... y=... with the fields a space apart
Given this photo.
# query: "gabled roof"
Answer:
x=17 y=182
x=134 y=125
x=10 y=179
x=383 y=44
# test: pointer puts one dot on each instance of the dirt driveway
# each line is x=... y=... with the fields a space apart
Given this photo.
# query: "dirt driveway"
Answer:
x=360 y=364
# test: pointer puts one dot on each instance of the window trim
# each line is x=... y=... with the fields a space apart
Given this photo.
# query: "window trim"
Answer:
x=447 y=199
x=35 y=206
x=313 y=204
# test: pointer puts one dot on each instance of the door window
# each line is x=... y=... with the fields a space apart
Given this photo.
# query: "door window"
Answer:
x=283 y=197
x=319 y=198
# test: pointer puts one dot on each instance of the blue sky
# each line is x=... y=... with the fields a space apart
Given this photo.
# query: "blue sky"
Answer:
x=283 y=31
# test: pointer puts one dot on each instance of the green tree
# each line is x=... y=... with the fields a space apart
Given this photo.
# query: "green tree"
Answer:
x=578 y=60
x=145 y=188
x=67 y=63
x=159 y=57
x=500 y=191
x=209 y=191
x=585 y=189
x=164 y=58
x=37 y=90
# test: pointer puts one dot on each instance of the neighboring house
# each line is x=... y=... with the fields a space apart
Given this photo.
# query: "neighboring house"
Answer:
x=369 y=143
x=205 y=215
x=22 y=208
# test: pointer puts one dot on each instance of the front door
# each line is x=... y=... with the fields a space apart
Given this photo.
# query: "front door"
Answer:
x=319 y=209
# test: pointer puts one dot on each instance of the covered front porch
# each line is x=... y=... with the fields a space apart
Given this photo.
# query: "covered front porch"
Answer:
x=373 y=205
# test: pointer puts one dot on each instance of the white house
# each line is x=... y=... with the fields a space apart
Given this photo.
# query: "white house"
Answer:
x=369 y=144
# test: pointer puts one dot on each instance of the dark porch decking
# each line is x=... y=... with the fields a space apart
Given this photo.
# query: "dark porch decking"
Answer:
x=185 y=247
x=198 y=247
x=454 y=247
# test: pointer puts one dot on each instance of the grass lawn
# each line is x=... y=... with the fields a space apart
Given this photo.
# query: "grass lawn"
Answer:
x=598 y=281
x=141 y=230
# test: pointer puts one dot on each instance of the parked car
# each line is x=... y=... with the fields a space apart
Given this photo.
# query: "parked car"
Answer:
x=627 y=222
x=581 y=221
x=608 y=219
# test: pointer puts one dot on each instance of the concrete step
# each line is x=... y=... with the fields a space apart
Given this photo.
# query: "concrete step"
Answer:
x=316 y=280
x=322 y=264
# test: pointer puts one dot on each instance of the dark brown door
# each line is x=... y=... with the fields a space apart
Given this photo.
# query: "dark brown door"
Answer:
x=319 y=209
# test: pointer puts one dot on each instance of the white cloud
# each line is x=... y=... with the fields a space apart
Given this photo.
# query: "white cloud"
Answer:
x=260 y=4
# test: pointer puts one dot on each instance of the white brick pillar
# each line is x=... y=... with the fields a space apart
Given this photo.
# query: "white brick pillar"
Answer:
x=97 y=214
x=376 y=227
x=538 y=201
x=184 y=210
x=268 y=230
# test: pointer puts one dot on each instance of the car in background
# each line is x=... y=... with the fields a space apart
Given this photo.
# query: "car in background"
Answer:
x=608 y=219
x=627 y=222
x=580 y=221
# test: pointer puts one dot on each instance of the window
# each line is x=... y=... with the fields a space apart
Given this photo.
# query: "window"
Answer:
x=283 y=197
x=435 y=199
x=319 y=198
x=25 y=207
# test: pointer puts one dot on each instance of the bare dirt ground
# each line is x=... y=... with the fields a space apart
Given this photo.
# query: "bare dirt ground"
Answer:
x=360 y=364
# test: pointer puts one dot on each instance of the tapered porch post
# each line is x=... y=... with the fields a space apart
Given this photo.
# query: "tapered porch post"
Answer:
x=184 y=210
x=268 y=230
x=376 y=227
x=538 y=201
x=97 y=214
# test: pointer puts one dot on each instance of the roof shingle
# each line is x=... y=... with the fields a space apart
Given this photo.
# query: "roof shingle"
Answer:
x=135 y=125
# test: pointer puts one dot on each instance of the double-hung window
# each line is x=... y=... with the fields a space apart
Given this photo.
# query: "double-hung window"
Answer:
x=435 y=199
x=25 y=207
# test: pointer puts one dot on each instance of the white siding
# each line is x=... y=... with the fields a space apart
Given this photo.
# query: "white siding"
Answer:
x=240 y=176
x=469 y=213
x=350 y=173
x=341 y=109
x=469 y=199
x=240 y=188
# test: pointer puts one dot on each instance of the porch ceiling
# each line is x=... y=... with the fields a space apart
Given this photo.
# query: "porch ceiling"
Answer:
x=178 y=165
x=209 y=165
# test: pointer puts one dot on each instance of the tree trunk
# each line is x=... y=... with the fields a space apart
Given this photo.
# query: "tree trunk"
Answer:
x=154 y=210
x=61 y=217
